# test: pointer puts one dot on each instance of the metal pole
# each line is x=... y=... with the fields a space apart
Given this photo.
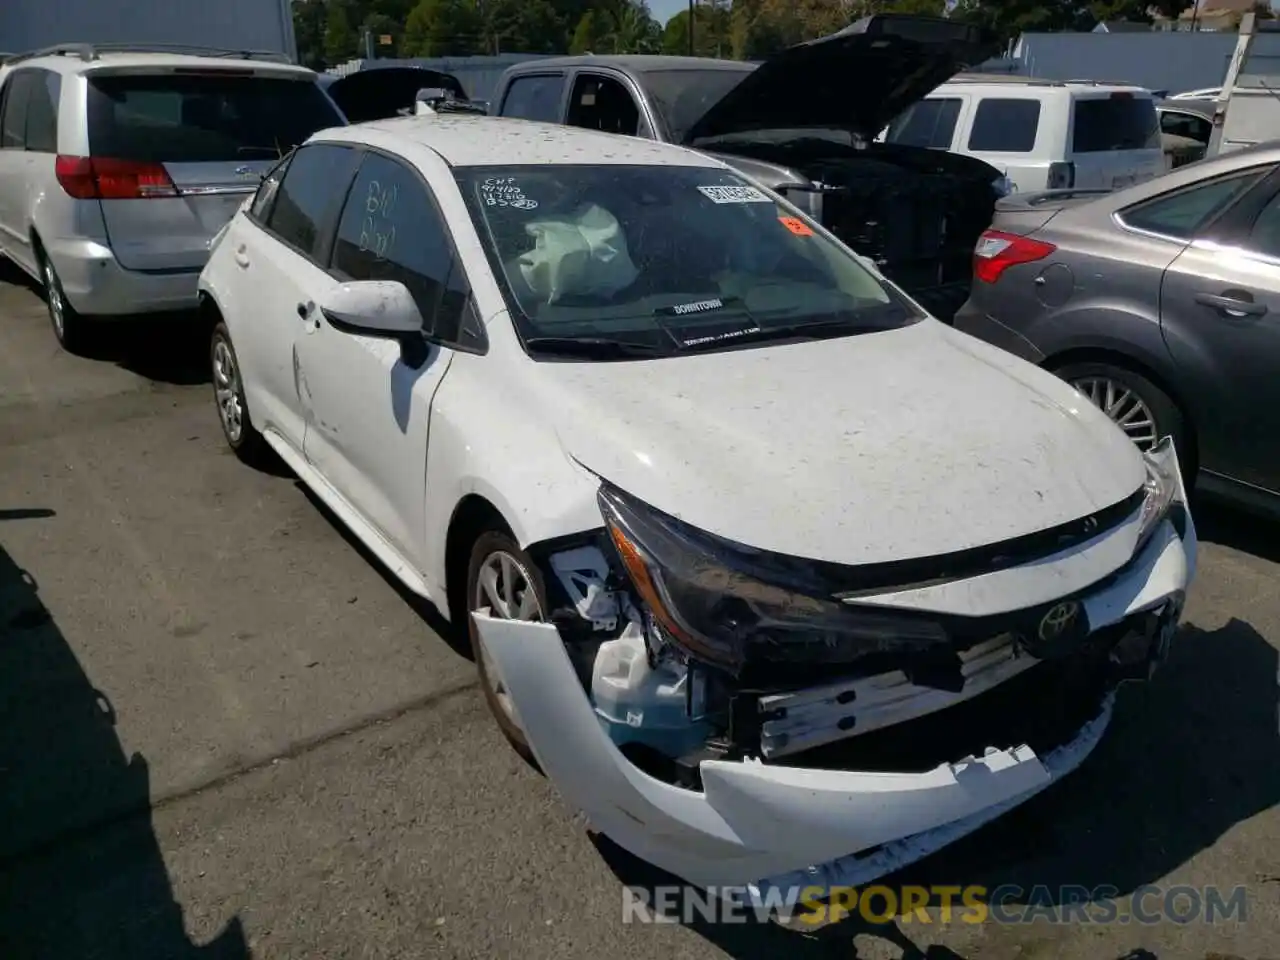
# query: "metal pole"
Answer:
x=691 y=27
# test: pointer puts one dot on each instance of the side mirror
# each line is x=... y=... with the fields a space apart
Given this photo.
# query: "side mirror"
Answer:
x=375 y=308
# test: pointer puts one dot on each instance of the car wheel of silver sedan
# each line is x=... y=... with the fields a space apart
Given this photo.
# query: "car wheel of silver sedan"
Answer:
x=1136 y=405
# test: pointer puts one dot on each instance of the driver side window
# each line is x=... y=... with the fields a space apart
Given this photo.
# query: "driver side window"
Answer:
x=391 y=229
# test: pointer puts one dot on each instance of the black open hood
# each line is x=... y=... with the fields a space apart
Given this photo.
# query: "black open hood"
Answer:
x=858 y=79
x=380 y=93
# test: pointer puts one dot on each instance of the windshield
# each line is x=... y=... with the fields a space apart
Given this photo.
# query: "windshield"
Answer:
x=665 y=258
x=682 y=97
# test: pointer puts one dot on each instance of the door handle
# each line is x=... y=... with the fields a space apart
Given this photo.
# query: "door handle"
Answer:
x=304 y=309
x=242 y=258
x=1232 y=306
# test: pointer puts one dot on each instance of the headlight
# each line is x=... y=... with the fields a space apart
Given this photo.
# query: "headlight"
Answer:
x=1161 y=487
x=730 y=605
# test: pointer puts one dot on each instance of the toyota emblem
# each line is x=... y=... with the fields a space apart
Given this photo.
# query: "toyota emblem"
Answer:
x=1058 y=620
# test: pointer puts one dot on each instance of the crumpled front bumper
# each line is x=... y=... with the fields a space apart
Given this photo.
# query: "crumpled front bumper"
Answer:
x=757 y=824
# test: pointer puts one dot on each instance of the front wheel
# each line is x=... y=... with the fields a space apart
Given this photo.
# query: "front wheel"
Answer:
x=504 y=582
x=228 y=392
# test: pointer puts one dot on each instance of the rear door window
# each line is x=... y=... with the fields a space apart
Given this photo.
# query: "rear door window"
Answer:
x=1118 y=122
x=534 y=98
x=1181 y=215
x=929 y=123
x=205 y=117
x=1005 y=125
x=306 y=202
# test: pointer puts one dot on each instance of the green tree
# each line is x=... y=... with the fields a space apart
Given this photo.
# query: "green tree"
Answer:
x=341 y=42
x=711 y=32
x=522 y=26
x=443 y=28
x=588 y=36
x=382 y=25
x=308 y=29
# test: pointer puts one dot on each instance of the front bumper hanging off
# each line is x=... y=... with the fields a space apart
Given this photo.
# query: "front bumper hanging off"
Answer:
x=759 y=825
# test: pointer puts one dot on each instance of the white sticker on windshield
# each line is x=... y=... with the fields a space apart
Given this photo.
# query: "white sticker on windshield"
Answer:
x=734 y=195
x=505 y=192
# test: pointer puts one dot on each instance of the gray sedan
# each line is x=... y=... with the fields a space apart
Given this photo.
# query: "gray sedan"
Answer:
x=1160 y=303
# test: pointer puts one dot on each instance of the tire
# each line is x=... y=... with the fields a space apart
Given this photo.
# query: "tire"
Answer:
x=69 y=328
x=1167 y=419
x=228 y=395
x=489 y=547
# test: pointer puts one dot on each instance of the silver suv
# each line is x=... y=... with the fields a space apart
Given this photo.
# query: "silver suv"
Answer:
x=119 y=164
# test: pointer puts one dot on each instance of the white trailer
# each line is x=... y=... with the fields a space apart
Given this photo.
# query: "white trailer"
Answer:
x=257 y=25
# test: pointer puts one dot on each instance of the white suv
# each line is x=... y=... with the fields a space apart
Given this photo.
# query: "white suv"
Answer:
x=118 y=165
x=1043 y=134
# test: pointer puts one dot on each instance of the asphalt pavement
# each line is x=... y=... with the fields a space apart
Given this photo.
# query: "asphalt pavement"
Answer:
x=224 y=732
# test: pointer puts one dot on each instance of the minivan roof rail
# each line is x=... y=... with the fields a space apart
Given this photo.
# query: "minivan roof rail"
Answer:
x=89 y=52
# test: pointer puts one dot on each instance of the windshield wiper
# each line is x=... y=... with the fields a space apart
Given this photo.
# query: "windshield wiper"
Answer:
x=807 y=330
x=596 y=348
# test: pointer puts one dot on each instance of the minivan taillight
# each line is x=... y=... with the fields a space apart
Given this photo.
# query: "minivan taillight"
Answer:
x=997 y=251
x=1062 y=176
x=102 y=178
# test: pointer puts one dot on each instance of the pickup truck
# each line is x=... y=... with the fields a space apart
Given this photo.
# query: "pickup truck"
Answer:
x=804 y=123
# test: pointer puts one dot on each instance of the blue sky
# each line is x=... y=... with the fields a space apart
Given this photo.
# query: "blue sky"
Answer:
x=664 y=10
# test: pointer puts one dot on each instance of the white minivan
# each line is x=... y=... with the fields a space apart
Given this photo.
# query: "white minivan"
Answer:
x=1042 y=134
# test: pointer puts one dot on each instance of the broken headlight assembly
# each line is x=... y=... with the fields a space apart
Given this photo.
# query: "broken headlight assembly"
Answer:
x=729 y=605
x=1160 y=488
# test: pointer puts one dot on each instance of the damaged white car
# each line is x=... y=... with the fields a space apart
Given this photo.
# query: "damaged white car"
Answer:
x=779 y=579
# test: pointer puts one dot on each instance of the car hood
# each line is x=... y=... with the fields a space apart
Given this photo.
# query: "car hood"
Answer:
x=380 y=93
x=903 y=444
x=857 y=79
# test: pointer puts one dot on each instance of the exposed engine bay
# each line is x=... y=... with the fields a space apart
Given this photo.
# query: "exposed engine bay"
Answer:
x=916 y=213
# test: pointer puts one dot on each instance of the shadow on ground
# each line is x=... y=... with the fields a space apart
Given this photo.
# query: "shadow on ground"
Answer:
x=166 y=348
x=1188 y=756
x=83 y=874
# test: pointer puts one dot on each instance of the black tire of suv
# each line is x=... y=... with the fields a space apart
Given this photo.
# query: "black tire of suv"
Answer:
x=249 y=446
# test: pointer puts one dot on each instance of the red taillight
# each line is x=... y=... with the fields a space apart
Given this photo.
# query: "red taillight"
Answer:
x=996 y=252
x=101 y=178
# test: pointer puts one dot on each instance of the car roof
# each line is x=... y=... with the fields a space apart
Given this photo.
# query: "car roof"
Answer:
x=474 y=141
x=1014 y=80
x=81 y=58
x=633 y=63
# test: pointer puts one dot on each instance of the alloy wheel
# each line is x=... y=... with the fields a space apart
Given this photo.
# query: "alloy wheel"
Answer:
x=504 y=590
x=226 y=389
x=1124 y=406
x=57 y=306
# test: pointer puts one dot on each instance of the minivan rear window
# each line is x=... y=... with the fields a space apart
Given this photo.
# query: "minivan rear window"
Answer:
x=175 y=118
x=1118 y=122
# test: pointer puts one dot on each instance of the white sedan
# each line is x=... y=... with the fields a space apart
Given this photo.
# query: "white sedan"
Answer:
x=779 y=579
